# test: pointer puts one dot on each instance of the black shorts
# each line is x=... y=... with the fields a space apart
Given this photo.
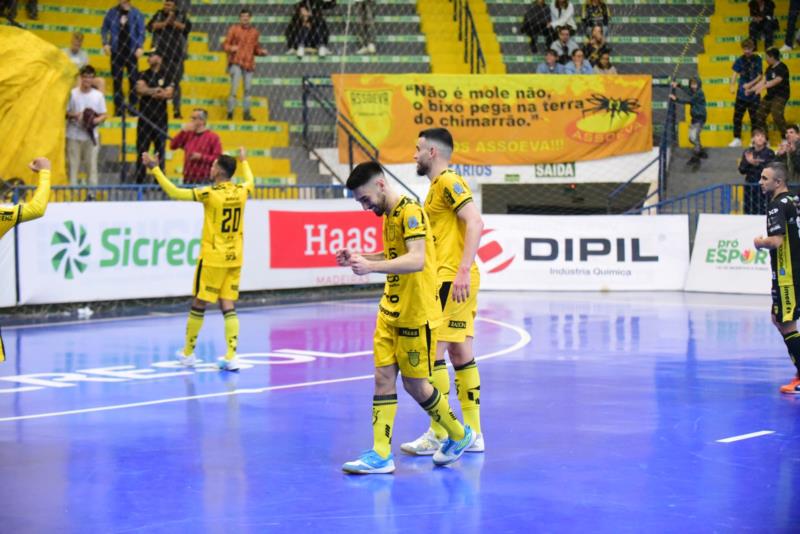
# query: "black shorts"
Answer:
x=784 y=303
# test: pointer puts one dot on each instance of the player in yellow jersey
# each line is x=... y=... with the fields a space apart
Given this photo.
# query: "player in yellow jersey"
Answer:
x=457 y=225
x=10 y=216
x=408 y=313
x=219 y=266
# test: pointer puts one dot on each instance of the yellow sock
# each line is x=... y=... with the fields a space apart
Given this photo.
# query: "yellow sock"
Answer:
x=231 y=333
x=468 y=386
x=439 y=409
x=2 y=349
x=441 y=381
x=384 y=408
x=193 y=326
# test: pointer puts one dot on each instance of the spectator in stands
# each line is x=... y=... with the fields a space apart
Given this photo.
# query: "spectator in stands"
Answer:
x=550 y=65
x=752 y=163
x=747 y=70
x=123 y=39
x=154 y=88
x=776 y=82
x=170 y=28
x=578 y=65
x=85 y=112
x=595 y=13
x=564 y=46
x=308 y=28
x=562 y=13
x=696 y=99
x=10 y=9
x=763 y=21
x=791 y=25
x=604 y=65
x=80 y=59
x=537 y=22
x=596 y=46
x=201 y=147
x=366 y=26
x=789 y=150
x=241 y=44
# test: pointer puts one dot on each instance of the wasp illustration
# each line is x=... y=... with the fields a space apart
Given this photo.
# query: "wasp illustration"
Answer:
x=612 y=106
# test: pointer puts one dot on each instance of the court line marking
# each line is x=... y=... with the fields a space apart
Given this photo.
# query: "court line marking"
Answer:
x=746 y=436
x=525 y=339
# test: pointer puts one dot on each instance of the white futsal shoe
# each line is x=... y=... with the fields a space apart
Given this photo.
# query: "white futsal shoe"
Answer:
x=478 y=446
x=186 y=361
x=229 y=365
x=425 y=445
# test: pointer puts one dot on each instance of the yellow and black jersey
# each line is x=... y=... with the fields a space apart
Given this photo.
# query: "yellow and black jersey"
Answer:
x=222 y=243
x=409 y=299
x=11 y=216
x=785 y=260
x=449 y=193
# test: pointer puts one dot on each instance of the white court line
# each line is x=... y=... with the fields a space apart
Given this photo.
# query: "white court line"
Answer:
x=746 y=436
x=525 y=338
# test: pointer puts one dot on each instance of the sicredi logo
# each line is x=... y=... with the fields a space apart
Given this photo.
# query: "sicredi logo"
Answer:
x=585 y=248
x=119 y=247
x=728 y=252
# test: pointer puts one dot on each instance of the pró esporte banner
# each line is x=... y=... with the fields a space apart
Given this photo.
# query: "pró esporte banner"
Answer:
x=500 y=120
x=584 y=253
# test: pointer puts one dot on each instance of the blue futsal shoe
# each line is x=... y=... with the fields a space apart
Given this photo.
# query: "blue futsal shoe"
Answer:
x=451 y=450
x=370 y=463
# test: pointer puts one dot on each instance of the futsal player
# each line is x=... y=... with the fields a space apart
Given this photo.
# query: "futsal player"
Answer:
x=783 y=242
x=408 y=313
x=10 y=216
x=219 y=267
x=457 y=225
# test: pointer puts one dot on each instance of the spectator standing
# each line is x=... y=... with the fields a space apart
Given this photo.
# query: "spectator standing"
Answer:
x=747 y=70
x=578 y=65
x=696 y=99
x=776 y=82
x=791 y=27
x=31 y=7
x=788 y=152
x=536 y=21
x=596 y=46
x=241 y=44
x=308 y=28
x=604 y=65
x=170 y=27
x=762 y=21
x=562 y=13
x=550 y=65
x=85 y=112
x=123 y=39
x=200 y=145
x=154 y=88
x=753 y=161
x=564 y=46
x=595 y=13
x=80 y=59
x=366 y=26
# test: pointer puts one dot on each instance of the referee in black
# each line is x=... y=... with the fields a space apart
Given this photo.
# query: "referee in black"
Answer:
x=783 y=243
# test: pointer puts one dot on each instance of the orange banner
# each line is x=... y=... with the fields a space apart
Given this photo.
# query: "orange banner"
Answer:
x=500 y=120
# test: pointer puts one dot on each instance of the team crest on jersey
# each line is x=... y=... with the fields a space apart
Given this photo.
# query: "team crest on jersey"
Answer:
x=449 y=197
x=458 y=189
x=413 y=358
x=413 y=222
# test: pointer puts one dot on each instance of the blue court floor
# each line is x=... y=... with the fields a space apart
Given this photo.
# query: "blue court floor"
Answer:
x=601 y=412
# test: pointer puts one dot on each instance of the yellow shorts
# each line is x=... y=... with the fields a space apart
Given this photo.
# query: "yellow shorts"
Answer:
x=458 y=318
x=408 y=348
x=212 y=283
x=2 y=349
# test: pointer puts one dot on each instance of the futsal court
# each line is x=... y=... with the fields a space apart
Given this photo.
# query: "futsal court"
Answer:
x=600 y=411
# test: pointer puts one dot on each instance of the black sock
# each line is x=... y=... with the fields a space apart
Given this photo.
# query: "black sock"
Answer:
x=792 y=340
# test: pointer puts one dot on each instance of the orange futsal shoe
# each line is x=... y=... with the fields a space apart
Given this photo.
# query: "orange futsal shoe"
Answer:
x=792 y=387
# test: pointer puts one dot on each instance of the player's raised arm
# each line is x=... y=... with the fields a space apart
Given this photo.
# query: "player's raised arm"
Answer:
x=173 y=191
x=38 y=204
x=249 y=180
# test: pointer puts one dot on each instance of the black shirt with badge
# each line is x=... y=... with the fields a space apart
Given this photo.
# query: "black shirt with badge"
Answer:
x=782 y=89
x=785 y=260
x=155 y=109
x=170 y=41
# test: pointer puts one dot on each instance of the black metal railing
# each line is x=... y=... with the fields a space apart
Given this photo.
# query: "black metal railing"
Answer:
x=468 y=34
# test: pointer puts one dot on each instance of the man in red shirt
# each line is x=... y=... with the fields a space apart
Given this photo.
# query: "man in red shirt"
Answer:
x=241 y=44
x=201 y=147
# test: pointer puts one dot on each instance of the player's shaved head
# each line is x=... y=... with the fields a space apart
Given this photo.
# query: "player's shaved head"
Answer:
x=440 y=136
x=363 y=173
x=780 y=172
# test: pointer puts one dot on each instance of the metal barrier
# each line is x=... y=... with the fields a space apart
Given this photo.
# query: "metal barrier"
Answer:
x=133 y=193
x=468 y=34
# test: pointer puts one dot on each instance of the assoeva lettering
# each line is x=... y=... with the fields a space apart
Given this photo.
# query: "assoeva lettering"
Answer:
x=143 y=252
